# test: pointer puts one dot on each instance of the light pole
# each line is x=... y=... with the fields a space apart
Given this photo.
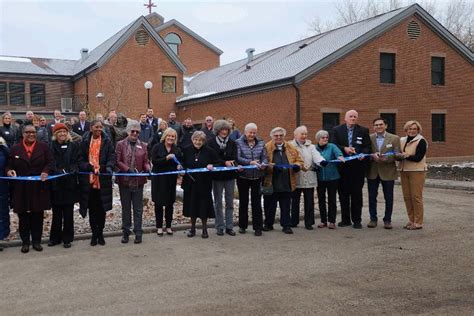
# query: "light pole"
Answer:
x=148 y=85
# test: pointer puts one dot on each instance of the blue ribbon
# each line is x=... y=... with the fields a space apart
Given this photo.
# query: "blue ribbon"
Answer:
x=390 y=153
x=34 y=178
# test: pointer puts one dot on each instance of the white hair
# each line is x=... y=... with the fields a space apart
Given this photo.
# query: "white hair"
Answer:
x=320 y=134
x=278 y=129
x=250 y=126
x=300 y=129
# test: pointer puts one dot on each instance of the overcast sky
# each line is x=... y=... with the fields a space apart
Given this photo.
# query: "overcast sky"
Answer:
x=60 y=28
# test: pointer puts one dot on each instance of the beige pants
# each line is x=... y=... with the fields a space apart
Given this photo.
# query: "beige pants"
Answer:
x=412 y=187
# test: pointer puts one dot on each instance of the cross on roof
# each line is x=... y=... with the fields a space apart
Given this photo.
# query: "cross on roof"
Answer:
x=149 y=5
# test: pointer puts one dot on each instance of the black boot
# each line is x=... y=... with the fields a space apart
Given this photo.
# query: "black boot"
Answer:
x=94 y=239
x=100 y=239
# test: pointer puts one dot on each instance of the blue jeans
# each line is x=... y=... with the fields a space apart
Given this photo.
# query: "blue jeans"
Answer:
x=387 y=187
x=218 y=186
x=4 y=216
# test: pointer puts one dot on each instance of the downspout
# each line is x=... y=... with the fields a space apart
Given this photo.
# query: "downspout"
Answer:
x=298 y=105
x=87 y=88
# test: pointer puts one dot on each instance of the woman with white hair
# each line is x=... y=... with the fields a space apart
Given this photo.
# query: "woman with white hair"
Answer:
x=197 y=187
x=67 y=156
x=306 y=179
x=132 y=157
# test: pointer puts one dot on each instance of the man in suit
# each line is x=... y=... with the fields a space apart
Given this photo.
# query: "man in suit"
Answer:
x=352 y=139
x=83 y=125
x=382 y=169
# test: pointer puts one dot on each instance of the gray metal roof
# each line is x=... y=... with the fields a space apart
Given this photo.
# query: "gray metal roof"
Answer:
x=190 y=32
x=36 y=66
x=297 y=61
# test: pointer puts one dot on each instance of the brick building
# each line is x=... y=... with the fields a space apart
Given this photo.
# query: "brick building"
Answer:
x=401 y=65
x=112 y=75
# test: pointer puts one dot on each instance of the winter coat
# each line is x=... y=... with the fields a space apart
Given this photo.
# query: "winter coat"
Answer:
x=33 y=196
x=67 y=156
x=331 y=171
x=123 y=153
x=163 y=188
x=4 y=209
x=146 y=132
x=185 y=139
x=42 y=134
x=311 y=157
x=10 y=134
x=245 y=155
x=156 y=139
x=229 y=153
x=107 y=161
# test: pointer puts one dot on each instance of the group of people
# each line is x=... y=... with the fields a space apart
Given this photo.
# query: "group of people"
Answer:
x=280 y=170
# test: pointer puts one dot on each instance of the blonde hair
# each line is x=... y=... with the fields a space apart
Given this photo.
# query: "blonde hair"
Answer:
x=163 y=122
x=167 y=132
x=68 y=138
x=410 y=123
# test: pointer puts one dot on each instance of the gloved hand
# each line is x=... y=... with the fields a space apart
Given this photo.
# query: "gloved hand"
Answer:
x=296 y=168
x=324 y=163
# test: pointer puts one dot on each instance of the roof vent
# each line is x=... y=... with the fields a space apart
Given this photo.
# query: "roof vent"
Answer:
x=84 y=53
x=142 y=37
x=249 y=52
x=413 y=30
x=302 y=45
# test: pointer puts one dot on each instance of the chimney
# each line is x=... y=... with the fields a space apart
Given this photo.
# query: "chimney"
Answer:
x=84 y=53
x=249 y=52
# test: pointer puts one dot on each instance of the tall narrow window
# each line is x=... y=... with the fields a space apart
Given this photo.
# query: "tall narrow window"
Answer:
x=387 y=68
x=17 y=93
x=3 y=93
x=438 y=127
x=330 y=120
x=37 y=94
x=173 y=40
x=391 y=121
x=437 y=71
x=168 y=84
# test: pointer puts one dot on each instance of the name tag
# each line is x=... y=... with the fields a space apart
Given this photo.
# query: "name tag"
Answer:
x=139 y=147
x=389 y=145
x=359 y=137
x=64 y=146
x=359 y=142
x=7 y=133
x=17 y=157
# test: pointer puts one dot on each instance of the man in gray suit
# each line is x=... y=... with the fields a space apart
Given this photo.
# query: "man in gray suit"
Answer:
x=382 y=169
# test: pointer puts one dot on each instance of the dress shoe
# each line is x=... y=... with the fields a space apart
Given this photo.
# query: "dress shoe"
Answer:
x=267 y=228
x=342 y=224
x=101 y=240
x=220 y=232
x=191 y=233
x=205 y=234
x=159 y=232
x=387 y=225
x=25 y=248
x=287 y=230
x=230 y=232
x=37 y=247
x=372 y=224
x=125 y=239
x=67 y=245
x=138 y=240
x=242 y=230
x=258 y=233
x=332 y=226
x=357 y=226
x=94 y=240
x=169 y=231
x=52 y=243
x=309 y=227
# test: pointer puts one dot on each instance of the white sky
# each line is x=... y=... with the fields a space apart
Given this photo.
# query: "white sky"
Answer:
x=60 y=28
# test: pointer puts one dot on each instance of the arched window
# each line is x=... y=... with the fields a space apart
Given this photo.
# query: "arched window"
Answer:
x=173 y=40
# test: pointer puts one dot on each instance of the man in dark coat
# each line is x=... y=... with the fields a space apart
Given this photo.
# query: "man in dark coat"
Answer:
x=152 y=120
x=187 y=130
x=352 y=139
x=83 y=125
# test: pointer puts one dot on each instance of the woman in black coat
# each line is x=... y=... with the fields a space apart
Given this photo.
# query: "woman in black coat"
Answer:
x=163 y=188
x=95 y=188
x=197 y=187
x=66 y=155
x=4 y=209
x=8 y=131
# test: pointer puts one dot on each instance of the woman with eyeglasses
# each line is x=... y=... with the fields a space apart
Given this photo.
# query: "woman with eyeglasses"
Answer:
x=30 y=199
x=328 y=180
x=132 y=157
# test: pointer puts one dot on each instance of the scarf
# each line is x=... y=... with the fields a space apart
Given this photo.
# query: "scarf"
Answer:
x=29 y=149
x=94 y=156
x=222 y=142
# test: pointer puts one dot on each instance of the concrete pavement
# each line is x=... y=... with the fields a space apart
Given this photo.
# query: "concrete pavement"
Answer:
x=368 y=271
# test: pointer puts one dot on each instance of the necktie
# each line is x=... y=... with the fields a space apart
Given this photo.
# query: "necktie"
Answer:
x=349 y=136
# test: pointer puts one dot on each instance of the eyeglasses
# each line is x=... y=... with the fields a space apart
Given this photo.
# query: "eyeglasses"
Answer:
x=278 y=135
x=208 y=120
x=135 y=132
x=30 y=132
x=324 y=137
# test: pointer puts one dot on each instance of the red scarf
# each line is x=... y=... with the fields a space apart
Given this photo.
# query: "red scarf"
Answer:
x=29 y=149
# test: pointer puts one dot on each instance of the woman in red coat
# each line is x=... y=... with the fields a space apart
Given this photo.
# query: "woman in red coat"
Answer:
x=30 y=198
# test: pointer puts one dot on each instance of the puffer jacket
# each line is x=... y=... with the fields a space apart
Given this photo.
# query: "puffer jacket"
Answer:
x=330 y=172
x=307 y=179
x=245 y=155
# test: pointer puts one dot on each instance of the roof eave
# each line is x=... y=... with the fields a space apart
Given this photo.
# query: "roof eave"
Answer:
x=39 y=76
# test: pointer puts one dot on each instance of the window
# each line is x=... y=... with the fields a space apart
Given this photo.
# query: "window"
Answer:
x=168 y=84
x=17 y=93
x=438 y=127
x=3 y=93
x=391 y=121
x=387 y=68
x=37 y=94
x=437 y=71
x=330 y=120
x=173 y=40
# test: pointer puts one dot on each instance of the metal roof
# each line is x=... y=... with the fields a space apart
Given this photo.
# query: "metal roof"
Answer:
x=297 y=61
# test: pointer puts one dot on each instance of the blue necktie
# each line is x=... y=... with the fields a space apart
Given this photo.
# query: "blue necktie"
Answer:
x=349 y=136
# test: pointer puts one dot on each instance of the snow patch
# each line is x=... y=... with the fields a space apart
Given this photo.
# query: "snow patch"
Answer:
x=195 y=96
x=16 y=59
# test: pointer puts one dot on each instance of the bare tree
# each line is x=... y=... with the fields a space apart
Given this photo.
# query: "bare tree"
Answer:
x=459 y=20
x=114 y=89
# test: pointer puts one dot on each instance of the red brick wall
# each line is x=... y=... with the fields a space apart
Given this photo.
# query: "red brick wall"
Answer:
x=267 y=109
x=353 y=83
x=125 y=73
x=195 y=56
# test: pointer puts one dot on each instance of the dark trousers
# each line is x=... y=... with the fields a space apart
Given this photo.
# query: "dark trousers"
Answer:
x=31 y=225
x=329 y=213
x=96 y=213
x=129 y=197
x=350 y=193
x=308 y=200
x=159 y=215
x=62 y=226
x=387 y=187
x=4 y=215
x=270 y=206
x=244 y=185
